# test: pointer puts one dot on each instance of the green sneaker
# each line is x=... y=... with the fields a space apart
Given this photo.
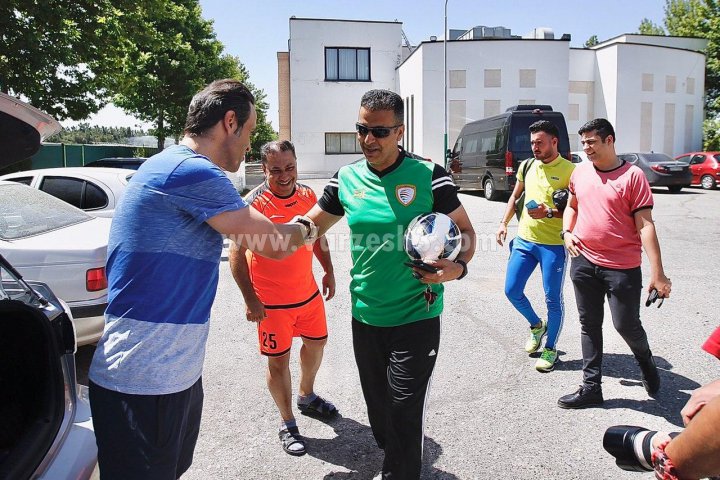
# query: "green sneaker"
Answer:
x=536 y=336
x=546 y=362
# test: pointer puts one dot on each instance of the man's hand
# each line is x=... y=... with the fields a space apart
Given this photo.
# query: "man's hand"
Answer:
x=311 y=232
x=501 y=234
x=662 y=284
x=447 y=270
x=571 y=243
x=328 y=285
x=538 y=212
x=255 y=310
x=699 y=399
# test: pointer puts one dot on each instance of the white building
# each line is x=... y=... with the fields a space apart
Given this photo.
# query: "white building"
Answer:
x=650 y=87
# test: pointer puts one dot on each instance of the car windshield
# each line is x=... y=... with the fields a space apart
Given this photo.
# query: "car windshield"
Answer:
x=25 y=212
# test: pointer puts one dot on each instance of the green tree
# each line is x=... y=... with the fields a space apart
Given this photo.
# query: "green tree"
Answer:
x=700 y=18
x=59 y=54
x=647 y=27
x=592 y=41
x=176 y=56
x=711 y=135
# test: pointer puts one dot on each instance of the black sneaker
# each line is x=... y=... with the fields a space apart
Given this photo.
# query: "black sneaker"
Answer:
x=585 y=396
x=651 y=379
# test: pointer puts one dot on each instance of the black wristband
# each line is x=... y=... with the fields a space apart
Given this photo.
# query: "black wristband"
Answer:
x=463 y=263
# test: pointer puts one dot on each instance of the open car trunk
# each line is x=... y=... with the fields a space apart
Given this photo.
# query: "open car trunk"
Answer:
x=32 y=387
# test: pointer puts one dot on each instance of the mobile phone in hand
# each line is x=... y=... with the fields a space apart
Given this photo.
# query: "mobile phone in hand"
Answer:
x=531 y=204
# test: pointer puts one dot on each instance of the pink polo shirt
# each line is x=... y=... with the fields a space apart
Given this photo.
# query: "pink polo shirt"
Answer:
x=607 y=202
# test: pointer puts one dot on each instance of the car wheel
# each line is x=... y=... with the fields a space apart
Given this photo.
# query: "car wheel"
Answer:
x=489 y=191
x=707 y=182
x=675 y=188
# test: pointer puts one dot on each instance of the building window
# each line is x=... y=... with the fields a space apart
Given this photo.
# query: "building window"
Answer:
x=347 y=64
x=690 y=86
x=457 y=79
x=647 y=82
x=492 y=78
x=341 y=143
x=670 y=81
x=527 y=78
x=492 y=107
x=574 y=111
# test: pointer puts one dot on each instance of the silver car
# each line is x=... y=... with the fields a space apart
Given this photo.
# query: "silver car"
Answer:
x=46 y=428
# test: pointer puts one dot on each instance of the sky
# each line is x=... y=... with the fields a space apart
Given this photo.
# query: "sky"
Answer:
x=255 y=31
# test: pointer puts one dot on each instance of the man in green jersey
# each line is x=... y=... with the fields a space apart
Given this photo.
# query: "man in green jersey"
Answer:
x=396 y=330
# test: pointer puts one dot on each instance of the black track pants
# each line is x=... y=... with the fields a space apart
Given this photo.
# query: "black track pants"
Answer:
x=396 y=366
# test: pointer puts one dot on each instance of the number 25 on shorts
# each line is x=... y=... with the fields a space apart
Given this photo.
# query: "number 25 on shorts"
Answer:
x=268 y=340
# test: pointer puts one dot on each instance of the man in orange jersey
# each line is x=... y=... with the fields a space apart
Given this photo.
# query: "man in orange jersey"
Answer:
x=283 y=297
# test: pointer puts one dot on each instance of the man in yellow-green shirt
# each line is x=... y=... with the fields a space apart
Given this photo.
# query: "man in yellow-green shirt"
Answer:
x=538 y=240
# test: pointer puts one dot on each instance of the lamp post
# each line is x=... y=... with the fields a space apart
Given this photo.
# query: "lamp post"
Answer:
x=445 y=104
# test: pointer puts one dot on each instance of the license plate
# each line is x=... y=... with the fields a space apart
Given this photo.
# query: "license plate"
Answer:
x=677 y=169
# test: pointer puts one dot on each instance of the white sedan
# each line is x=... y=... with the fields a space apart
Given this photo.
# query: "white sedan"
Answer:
x=95 y=190
x=50 y=241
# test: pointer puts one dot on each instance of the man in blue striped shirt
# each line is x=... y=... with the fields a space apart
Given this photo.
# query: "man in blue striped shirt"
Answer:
x=165 y=244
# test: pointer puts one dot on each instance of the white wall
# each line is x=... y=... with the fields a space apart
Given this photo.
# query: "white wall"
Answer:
x=549 y=59
x=604 y=81
x=668 y=108
x=318 y=106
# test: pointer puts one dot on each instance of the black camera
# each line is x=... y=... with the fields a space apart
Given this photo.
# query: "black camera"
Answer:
x=631 y=446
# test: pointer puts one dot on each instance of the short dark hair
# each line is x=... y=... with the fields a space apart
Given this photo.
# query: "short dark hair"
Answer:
x=210 y=105
x=375 y=100
x=276 y=146
x=601 y=125
x=545 y=126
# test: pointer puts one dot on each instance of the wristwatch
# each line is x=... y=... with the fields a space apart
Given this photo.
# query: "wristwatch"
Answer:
x=563 y=232
x=463 y=264
x=549 y=213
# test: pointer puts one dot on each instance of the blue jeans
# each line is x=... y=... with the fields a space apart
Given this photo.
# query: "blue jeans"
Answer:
x=524 y=257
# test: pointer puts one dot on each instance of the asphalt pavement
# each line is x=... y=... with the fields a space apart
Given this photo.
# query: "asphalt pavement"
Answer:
x=490 y=414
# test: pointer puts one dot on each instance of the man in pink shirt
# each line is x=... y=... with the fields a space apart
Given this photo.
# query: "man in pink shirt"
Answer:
x=607 y=223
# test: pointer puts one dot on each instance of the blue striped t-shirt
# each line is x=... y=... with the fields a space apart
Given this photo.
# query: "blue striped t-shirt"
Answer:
x=162 y=273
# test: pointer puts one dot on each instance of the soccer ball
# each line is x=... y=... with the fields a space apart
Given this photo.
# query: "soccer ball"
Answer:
x=431 y=236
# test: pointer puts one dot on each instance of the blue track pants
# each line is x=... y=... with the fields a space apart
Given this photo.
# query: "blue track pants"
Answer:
x=524 y=257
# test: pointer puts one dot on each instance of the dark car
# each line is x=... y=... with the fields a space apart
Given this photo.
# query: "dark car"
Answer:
x=487 y=152
x=661 y=170
x=130 y=163
x=705 y=168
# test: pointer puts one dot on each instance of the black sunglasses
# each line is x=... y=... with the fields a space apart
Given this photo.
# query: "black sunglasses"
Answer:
x=377 y=132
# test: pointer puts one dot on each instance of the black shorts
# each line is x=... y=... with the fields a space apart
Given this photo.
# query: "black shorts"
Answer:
x=145 y=436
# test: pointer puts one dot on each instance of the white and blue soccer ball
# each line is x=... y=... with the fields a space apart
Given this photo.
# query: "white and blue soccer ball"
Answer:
x=432 y=236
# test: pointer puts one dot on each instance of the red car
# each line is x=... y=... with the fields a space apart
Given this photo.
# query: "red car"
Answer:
x=705 y=167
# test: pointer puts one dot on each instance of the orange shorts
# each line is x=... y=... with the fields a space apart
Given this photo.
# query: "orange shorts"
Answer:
x=276 y=331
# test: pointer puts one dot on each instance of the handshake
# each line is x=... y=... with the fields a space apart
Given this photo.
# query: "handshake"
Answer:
x=310 y=232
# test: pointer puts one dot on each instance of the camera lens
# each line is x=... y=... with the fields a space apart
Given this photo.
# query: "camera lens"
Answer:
x=631 y=446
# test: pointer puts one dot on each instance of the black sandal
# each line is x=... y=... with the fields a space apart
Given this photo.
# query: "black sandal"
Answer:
x=318 y=408
x=289 y=437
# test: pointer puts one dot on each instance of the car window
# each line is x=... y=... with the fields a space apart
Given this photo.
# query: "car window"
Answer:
x=25 y=212
x=684 y=159
x=629 y=157
x=94 y=197
x=64 y=188
x=717 y=157
x=23 y=180
x=697 y=159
